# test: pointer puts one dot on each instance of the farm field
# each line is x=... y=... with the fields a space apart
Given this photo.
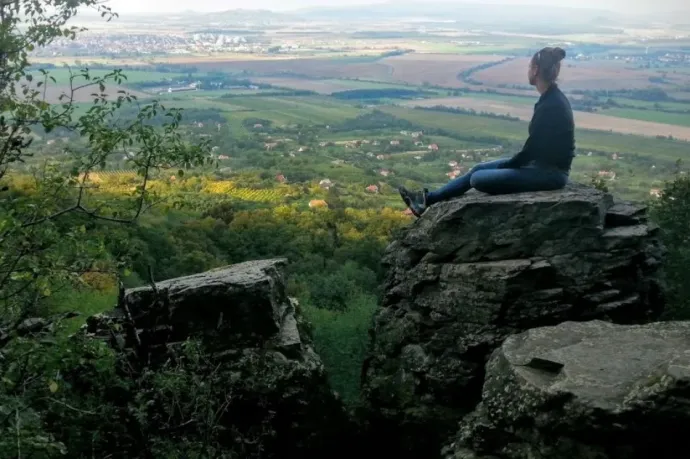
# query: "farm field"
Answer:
x=516 y=131
x=593 y=75
x=679 y=119
x=62 y=75
x=415 y=68
x=52 y=93
x=613 y=120
x=302 y=110
x=652 y=105
x=325 y=86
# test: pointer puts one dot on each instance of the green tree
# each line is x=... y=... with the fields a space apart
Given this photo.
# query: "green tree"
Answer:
x=672 y=213
x=42 y=226
x=45 y=222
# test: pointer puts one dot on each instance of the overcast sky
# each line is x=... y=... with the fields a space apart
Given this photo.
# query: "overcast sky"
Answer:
x=125 y=6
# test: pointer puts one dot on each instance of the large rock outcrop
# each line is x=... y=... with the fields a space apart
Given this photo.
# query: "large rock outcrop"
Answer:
x=475 y=270
x=275 y=399
x=584 y=391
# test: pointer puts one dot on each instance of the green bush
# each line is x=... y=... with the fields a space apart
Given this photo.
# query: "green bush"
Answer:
x=341 y=339
x=672 y=213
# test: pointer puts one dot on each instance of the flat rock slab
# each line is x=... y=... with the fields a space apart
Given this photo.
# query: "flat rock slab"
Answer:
x=583 y=390
x=604 y=366
x=245 y=302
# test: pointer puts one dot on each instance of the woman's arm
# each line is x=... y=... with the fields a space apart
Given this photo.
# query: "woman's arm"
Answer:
x=537 y=144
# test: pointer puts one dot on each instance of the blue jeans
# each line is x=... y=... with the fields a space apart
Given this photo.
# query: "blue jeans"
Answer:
x=488 y=178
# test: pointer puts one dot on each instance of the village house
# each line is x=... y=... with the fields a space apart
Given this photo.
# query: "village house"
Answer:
x=292 y=155
x=270 y=146
x=173 y=178
x=215 y=149
x=303 y=149
x=416 y=135
x=370 y=155
x=317 y=203
x=417 y=157
x=418 y=144
x=258 y=126
x=453 y=164
x=223 y=157
x=433 y=147
x=281 y=178
x=655 y=193
x=337 y=162
x=376 y=143
x=385 y=172
x=395 y=142
x=380 y=157
x=325 y=184
x=372 y=189
x=615 y=156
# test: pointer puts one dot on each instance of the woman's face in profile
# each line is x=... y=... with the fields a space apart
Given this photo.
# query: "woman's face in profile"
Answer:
x=532 y=72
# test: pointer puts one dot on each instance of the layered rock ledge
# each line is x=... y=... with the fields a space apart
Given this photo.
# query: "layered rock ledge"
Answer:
x=277 y=401
x=475 y=270
x=582 y=391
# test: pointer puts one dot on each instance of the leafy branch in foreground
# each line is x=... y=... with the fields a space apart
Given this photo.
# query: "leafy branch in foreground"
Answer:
x=43 y=222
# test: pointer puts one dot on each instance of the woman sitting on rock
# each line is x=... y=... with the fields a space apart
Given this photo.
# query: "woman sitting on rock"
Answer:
x=544 y=162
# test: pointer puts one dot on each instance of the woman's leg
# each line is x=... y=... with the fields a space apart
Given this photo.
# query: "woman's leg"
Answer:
x=461 y=185
x=507 y=181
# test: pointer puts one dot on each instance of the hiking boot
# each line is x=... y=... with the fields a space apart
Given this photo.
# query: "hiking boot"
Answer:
x=416 y=201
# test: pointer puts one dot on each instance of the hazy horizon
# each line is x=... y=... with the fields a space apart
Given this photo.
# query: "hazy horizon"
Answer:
x=170 y=6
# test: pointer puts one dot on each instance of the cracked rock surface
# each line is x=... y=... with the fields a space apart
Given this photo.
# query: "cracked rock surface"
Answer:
x=475 y=270
x=583 y=391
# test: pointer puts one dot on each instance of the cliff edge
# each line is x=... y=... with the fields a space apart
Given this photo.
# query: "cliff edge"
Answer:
x=476 y=270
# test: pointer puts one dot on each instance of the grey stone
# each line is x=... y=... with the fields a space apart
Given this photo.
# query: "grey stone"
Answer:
x=253 y=336
x=622 y=392
x=475 y=270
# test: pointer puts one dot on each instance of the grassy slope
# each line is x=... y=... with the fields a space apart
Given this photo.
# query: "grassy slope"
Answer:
x=650 y=115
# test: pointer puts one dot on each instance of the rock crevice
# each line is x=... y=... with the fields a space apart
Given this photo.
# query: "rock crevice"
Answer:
x=253 y=339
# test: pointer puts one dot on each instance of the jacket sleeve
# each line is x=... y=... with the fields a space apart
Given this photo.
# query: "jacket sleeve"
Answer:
x=537 y=144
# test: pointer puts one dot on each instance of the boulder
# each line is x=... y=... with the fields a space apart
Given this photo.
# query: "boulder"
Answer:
x=475 y=270
x=583 y=391
x=275 y=400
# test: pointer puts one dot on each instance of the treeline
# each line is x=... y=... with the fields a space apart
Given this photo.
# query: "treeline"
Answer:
x=384 y=93
x=209 y=81
x=470 y=111
x=281 y=92
x=466 y=75
x=648 y=94
x=189 y=115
